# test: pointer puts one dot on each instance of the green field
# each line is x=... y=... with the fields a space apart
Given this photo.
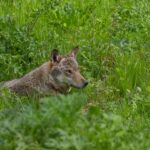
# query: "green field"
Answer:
x=113 y=111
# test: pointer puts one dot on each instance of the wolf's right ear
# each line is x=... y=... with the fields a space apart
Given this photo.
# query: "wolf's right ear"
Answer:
x=55 y=57
x=74 y=51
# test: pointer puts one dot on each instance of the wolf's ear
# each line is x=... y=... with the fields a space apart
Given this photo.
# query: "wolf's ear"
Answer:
x=55 y=57
x=74 y=51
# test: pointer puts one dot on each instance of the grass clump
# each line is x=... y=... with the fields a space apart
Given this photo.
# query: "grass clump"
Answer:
x=113 y=111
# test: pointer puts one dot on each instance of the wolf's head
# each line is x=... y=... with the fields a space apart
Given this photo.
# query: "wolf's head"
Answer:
x=65 y=69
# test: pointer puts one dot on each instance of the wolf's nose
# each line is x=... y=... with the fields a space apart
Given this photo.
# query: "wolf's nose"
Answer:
x=86 y=83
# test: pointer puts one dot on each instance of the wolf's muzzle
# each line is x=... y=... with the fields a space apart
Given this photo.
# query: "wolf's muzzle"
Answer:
x=85 y=84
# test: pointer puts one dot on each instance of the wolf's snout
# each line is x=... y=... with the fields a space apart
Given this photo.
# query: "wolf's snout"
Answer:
x=85 y=83
x=82 y=84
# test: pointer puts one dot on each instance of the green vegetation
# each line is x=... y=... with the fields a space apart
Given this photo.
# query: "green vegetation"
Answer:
x=113 y=112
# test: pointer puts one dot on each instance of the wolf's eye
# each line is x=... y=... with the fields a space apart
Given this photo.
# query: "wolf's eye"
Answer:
x=69 y=71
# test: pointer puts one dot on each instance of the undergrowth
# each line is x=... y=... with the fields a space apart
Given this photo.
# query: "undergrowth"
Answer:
x=113 y=111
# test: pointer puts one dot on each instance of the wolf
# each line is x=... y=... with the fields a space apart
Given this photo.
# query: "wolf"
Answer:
x=53 y=77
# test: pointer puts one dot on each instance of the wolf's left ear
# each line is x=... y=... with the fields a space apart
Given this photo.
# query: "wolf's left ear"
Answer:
x=74 y=51
x=55 y=57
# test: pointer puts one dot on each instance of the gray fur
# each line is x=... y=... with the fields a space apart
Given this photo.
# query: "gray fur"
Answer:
x=52 y=77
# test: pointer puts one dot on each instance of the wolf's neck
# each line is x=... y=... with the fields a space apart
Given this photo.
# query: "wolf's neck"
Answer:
x=56 y=86
x=48 y=80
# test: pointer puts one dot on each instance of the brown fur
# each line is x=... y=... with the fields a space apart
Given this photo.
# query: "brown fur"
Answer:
x=55 y=76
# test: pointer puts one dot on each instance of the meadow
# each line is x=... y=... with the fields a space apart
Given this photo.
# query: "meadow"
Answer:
x=113 y=111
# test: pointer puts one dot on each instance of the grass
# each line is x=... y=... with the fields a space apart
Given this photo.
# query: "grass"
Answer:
x=113 y=111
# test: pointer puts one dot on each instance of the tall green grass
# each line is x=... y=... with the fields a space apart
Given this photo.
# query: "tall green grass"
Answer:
x=113 y=111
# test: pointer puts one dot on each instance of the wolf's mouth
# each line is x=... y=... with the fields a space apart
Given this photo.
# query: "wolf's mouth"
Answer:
x=81 y=86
